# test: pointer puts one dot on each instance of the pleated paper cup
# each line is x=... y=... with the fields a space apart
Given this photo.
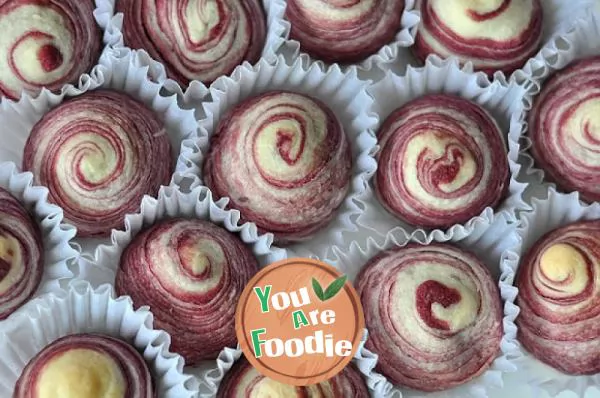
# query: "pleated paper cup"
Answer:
x=212 y=375
x=554 y=211
x=389 y=53
x=124 y=74
x=89 y=79
x=172 y=203
x=276 y=33
x=82 y=309
x=581 y=42
x=503 y=103
x=559 y=17
x=101 y=268
x=59 y=254
x=495 y=244
x=105 y=17
x=560 y=22
x=341 y=91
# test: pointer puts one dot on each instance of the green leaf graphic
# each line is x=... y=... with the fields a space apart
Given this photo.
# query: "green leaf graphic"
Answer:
x=318 y=289
x=335 y=287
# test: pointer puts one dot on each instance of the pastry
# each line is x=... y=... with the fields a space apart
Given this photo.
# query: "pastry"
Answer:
x=243 y=381
x=343 y=31
x=21 y=255
x=433 y=313
x=284 y=161
x=559 y=297
x=495 y=35
x=565 y=130
x=46 y=44
x=99 y=154
x=196 y=40
x=191 y=273
x=86 y=365
x=442 y=162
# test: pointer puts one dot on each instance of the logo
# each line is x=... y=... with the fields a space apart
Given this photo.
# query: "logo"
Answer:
x=299 y=321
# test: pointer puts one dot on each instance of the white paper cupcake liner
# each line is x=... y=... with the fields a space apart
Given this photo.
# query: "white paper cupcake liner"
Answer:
x=405 y=37
x=560 y=19
x=343 y=92
x=60 y=257
x=581 y=42
x=89 y=79
x=171 y=203
x=505 y=103
x=494 y=243
x=119 y=73
x=105 y=17
x=559 y=16
x=212 y=375
x=555 y=211
x=80 y=309
x=275 y=38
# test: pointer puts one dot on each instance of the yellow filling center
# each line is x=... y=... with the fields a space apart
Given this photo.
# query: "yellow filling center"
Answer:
x=562 y=261
x=8 y=248
x=81 y=373
x=267 y=388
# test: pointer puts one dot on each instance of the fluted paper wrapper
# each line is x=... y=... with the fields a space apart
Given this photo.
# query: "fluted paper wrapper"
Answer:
x=345 y=95
x=81 y=309
x=172 y=203
x=59 y=255
x=276 y=33
x=494 y=243
x=555 y=211
x=560 y=20
x=391 y=52
x=122 y=74
x=91 y=77
x=504 y=103
x=580 y=42
x=105 y=17
x=212 y=375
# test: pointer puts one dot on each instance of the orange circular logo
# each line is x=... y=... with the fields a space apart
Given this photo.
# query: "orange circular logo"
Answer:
x=299 y=321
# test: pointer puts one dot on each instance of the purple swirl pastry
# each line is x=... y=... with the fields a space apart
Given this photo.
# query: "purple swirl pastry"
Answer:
x=99 y=154
x=442 y=162
x=86 y=365
x=343 y=31
x=495 y=35
x=559 y=297
x=284 y=161
x=21 y=255
x=46 y=43
x=191 y=273
x=564 y=127
x=434 y=315
x=243 y=381
x=196 y=40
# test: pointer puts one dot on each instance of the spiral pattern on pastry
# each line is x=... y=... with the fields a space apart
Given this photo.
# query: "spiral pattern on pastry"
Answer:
x=99 y=154
x=46 y=44
x=244 y=381
x=284 y=161
x=564 y=128
x=196 y=39
x=495 y=35
x=343 y=31
x=559 y=297
x=442 y=161
x=21 y=255
x=433 y=313
x=191 y=273
x=86 y=365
